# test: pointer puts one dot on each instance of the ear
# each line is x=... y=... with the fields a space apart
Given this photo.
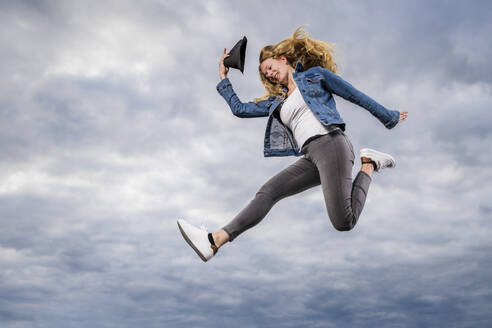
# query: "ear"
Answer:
x=284 y=60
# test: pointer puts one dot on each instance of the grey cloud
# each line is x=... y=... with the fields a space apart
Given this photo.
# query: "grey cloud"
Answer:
x=485 y=209
x=425 y=42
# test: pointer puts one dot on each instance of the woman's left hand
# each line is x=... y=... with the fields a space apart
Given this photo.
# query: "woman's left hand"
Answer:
x=403 y=116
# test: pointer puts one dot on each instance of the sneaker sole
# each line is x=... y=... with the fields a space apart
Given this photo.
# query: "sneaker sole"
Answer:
x=190 y=243
x=366 y=152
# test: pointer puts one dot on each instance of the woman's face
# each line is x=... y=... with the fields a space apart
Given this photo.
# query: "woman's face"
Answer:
x=276 y=70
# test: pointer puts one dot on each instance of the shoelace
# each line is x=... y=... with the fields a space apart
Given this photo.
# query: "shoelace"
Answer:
x=379 y=165
x=387 y=163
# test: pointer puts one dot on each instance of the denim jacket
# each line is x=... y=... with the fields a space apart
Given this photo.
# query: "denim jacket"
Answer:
x=317 y=86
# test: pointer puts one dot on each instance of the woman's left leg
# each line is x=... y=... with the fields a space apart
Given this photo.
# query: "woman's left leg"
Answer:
x=333 y=155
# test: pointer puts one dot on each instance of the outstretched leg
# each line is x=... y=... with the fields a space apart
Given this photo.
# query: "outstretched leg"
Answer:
x=296 y=178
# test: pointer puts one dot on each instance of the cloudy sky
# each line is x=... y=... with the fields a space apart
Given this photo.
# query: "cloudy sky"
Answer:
x=111 y=129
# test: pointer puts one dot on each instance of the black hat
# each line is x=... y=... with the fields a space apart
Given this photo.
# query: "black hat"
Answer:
x=236 y=55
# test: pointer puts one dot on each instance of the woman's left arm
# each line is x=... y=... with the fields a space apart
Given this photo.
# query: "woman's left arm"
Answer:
x=335 y=84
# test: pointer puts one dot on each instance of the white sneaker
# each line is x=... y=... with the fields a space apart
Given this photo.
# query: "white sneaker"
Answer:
x=382 y=160
x=197 y=238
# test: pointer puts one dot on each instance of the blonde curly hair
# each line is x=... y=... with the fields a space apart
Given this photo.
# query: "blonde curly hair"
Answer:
x=298 y=47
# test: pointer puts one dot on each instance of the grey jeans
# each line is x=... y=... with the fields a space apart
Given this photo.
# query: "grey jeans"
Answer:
x=328 y=161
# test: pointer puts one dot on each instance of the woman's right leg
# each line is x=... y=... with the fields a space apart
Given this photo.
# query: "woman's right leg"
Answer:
x=296 y=178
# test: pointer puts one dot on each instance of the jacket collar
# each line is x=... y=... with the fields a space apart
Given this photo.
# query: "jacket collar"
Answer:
x=299 y=67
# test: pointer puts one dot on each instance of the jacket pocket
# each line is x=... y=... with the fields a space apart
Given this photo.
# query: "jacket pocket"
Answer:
x=313 y=83
x=314 y=78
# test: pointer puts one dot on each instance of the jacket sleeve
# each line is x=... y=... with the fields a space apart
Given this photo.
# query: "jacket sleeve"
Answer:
x=335 y=84
x=238 y=108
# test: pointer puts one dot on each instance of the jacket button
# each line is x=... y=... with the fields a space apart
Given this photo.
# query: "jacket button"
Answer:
x=309 y=102
x=317 y=113
x=303 y=90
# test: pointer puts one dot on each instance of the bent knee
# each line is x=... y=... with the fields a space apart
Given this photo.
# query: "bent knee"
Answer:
x=347 y=227
x=344 y=223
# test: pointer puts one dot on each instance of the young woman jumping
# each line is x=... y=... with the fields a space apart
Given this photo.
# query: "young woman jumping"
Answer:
x=299 y=75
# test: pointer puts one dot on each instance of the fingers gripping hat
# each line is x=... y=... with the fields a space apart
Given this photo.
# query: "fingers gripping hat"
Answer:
x=237 y=55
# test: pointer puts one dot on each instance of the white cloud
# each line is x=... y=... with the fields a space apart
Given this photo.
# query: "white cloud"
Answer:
x=112 y=129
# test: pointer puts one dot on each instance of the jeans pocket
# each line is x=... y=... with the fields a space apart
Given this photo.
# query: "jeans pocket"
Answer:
x=349 y=145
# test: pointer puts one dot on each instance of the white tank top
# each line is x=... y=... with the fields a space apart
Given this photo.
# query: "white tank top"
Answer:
x=296 y=115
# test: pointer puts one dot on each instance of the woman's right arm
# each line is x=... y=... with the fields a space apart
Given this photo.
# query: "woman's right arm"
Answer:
x=238 y=108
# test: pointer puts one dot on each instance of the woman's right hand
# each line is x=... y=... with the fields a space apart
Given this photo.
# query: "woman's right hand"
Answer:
x=222 y=69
